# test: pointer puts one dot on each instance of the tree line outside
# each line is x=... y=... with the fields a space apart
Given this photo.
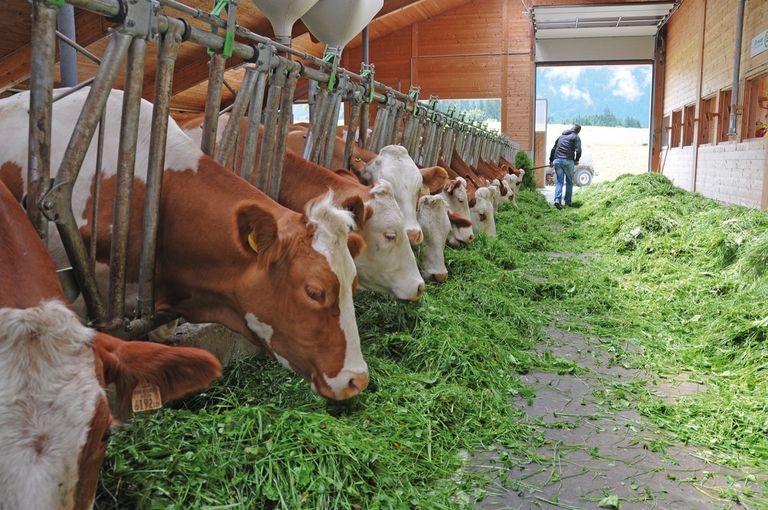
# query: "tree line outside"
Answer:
x=607 y=118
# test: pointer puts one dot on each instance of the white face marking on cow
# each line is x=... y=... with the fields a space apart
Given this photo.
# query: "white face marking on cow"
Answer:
x=48 y=396
x=388 y=264
x=394 y=164
x=433 y=218
x=458 y=203
x=332 y=226
x=482 y=213
x=265 y=332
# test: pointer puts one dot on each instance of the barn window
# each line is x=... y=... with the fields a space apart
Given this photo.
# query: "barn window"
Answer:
x=301 y=113
x=723 y=110
x=483 y=110
x=707 y=116
x=689 y=124
x=756 y=103
x=677 y=124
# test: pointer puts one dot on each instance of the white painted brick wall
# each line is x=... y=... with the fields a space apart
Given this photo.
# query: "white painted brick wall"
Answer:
x=678 y=166
x=733 y=172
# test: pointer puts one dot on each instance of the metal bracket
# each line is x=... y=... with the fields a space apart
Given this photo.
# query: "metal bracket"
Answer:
x=140 y=17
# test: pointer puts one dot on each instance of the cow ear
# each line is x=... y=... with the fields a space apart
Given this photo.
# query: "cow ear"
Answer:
x=368 y=212
x=176 y=371
x=450 y=186
x=458 y=220
x=434 y=177
x=257 y=227
x=355 y=244
x=354 y=204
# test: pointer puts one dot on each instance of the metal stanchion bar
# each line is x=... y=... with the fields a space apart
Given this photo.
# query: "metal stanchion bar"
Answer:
x=286 y=117
x=354 y=114
x=365 y=122
x=90 y=56
x=330 y=128
x=126 y=161
x=313 y=146
x=276 y=83
x=40 y=111
x=226 y=146
x=168 y=49
x=56 y=203
x=96 y=191
x=254 y=121
x=216 y=66
x=379 y=126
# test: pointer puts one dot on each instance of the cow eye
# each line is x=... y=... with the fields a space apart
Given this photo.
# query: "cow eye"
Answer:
x=357 y=159
x=482 y=216
x=461 y=200
x=390 y=236
x=314 y=293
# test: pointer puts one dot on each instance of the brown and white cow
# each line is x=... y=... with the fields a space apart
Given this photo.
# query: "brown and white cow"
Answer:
x=482 y=212
x=54 y=416
x=227 y=253
x=455 y=195
x=434 y=218
x=388 y=265
x=392 y=163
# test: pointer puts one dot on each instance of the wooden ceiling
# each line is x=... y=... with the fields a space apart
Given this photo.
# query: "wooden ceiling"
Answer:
x=189 y=85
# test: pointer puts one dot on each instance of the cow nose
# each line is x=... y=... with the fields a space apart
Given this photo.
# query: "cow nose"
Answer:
x=357 y=383
x=419 y=291
x=415 y=236
x=470 y=238
x=440 y=277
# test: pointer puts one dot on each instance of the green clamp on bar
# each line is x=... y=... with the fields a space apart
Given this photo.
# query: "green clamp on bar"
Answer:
x=57 y=3
x=229 y=36
x=413 y=93
x=367 y=73
x=328 y=57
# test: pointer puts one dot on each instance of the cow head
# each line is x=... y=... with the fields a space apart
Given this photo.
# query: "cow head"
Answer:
x=395 y=165
x=455 y=195
x=433 y=218
x=302 y=289
x=482 y=213
x=54 y=417
x=388 y=264
x=495 y=194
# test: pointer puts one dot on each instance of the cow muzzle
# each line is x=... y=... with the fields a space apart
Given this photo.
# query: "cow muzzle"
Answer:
x=415 y=236
x=346 y=384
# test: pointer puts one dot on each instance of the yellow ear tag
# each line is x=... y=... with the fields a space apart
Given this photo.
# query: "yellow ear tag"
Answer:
x=252 y=242
x=146 y=397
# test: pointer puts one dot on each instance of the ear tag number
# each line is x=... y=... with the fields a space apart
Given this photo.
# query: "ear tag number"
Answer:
x=146 y=397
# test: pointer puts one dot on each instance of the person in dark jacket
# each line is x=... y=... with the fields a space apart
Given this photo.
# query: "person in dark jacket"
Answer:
x=564 y=157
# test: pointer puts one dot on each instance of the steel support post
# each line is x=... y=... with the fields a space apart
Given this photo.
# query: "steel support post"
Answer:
x=126 y=161
x=168 y=48
x=410 y=126
x=226 y=146
x=439 y=139
x=40 y=111
x=271 y=112
x=254 y=121
x=57 y=202
x=365 y=122
x=330 y=128
x=286 y=118
x=415 y=137
x=429 y=142
x=354 y=114
x=216 y=66
x=96 y=192
x=394 y=124
x=313 y=142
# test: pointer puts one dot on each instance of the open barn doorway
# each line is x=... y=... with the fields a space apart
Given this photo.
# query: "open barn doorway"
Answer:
x=612 y=103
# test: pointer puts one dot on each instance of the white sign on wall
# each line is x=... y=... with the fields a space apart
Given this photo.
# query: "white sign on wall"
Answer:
x=759 y=43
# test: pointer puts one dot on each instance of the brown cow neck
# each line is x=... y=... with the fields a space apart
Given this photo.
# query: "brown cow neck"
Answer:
x=201 y=257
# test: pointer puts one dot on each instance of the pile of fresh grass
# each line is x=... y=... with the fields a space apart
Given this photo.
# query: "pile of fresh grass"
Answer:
x=444 y=382
x=687 y=280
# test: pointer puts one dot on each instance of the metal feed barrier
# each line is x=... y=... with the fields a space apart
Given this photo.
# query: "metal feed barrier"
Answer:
x=265 y=96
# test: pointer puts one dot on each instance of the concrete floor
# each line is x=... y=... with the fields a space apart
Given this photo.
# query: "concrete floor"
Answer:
x=597 y=447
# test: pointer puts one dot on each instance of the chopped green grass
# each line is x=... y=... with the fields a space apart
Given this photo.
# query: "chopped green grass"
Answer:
x=639 y=262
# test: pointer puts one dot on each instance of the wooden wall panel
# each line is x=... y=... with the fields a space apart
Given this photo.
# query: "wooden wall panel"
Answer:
x=460 y=77
x=479 y=50
x=719 y=39
x=472 y=29
x=682 y=72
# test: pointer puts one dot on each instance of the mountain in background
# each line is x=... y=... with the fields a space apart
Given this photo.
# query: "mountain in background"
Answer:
x=577 y=92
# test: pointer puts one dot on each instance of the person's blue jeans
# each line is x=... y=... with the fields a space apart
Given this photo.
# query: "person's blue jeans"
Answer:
x=564 y=171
